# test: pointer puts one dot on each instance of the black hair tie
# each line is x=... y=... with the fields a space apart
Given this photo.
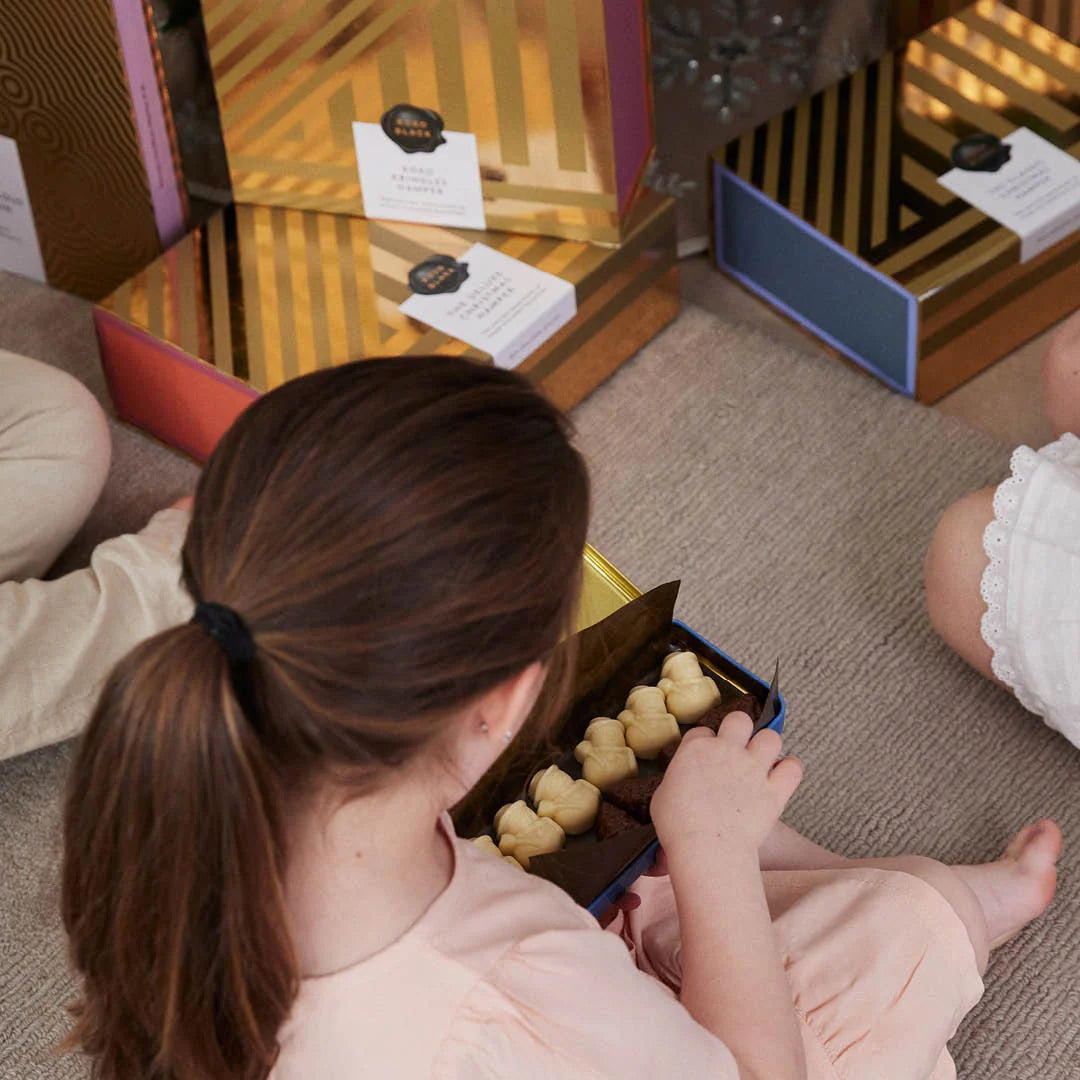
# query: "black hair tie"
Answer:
x=228 y=630
x=231 y=633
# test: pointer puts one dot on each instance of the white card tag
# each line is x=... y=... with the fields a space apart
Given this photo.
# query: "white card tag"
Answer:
x=19 y=249
x=412 y=170
x=491 y=301
x=1022 y=181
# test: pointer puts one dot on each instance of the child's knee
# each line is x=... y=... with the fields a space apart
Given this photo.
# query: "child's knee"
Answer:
x=49 y=414
x=944 y=880
x=54 y=459
x=954 y=565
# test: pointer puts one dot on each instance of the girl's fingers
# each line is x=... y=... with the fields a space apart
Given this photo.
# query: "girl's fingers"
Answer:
x=736 y=728
x=696 y=733
x=786 y=776
x=765 y=746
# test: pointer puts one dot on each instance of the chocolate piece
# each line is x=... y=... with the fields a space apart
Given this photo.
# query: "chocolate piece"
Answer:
x=634 y=795
x=586 y=870
x=746 y=703
x=611 y=821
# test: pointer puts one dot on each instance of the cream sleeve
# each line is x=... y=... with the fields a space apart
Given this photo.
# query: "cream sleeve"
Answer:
x=571 y=1005
x=59 y=639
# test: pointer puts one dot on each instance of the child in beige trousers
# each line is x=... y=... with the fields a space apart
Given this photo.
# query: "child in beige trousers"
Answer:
x=58 y=639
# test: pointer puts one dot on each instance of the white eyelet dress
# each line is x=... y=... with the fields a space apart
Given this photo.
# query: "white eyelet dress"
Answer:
x=1032 y=584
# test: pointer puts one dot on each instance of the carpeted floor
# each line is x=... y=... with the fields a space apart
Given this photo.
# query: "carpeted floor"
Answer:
x=794 y=498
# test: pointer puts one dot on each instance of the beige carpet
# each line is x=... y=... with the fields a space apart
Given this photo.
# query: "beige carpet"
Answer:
x=794 y=498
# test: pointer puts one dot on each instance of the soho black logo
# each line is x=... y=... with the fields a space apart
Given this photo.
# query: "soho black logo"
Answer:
x=415 y=130
x=980 y=153
x=438 y=274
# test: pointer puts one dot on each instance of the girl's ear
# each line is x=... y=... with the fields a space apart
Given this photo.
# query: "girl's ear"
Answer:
x=507 y=706
x=488 y=726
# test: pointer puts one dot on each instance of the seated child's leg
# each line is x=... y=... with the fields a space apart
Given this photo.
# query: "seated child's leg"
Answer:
x=993 y=900
x=54 y=457
x=952 y=575
x=1061 y=377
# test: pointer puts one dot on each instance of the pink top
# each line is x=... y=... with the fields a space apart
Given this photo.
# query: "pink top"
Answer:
x=504 y=975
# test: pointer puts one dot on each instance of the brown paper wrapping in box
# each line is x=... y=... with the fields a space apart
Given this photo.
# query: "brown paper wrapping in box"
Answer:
x=259 y=295
x=557 y=93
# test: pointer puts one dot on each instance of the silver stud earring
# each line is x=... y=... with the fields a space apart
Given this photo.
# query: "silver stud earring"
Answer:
x=507 y=736
x=483 y=726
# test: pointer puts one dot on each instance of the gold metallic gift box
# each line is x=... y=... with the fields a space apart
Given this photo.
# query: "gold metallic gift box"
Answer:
x=259 y=295
x=82 y=96
x=906 y=19
x=833 y=210
x=557 y=93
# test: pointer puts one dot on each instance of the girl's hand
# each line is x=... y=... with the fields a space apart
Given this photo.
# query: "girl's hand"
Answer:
x=726 y=789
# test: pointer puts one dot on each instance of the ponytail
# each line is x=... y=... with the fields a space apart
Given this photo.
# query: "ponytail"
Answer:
x=172 y=884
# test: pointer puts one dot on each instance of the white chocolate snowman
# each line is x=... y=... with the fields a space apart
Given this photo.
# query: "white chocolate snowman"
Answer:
x=486 y=844
x=571 y=803
x=649 y=726
x=605 y=758
x=688 y=692
x=523 y=834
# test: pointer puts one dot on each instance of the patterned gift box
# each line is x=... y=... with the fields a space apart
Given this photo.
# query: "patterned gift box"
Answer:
x=556 y=92
x=834 y=211
x=259 y=295
x=82 y=97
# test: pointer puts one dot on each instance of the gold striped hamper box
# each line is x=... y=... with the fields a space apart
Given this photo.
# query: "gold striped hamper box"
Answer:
x=1061 y=17
x=259 y=295
x=842 y=211
x=556 y=92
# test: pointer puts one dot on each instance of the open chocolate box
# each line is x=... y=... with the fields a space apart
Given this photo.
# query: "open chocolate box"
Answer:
x=624 y=649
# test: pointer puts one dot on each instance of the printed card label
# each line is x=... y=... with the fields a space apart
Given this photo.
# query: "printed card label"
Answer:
x=490 y=301
x=413 y=170
x=1022 y=181
x=19 y=250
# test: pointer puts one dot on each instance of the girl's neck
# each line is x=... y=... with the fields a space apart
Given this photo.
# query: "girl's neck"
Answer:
x=361 y=875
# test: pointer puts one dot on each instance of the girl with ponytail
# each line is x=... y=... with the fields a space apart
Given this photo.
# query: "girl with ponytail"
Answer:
x=260 y=878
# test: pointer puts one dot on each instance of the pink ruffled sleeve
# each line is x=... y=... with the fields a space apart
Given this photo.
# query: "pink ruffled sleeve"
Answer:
x=571 y=1005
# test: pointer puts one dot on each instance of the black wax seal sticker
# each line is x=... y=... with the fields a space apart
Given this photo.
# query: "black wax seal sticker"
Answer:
x=438 y=274
x=980 y=153
x=415 y=130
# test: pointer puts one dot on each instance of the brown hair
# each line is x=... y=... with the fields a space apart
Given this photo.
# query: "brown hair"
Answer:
x=400 y=536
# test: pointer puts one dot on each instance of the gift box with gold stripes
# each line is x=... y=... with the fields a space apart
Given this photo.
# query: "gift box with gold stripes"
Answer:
x=260 y=294
x=90 y=189
x=556 y=93
x=846 y=213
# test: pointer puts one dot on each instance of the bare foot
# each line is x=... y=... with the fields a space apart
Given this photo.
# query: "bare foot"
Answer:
x=1019 y=886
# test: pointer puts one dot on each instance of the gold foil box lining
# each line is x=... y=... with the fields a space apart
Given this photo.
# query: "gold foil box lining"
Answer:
x=266 y=294
x=530 y=80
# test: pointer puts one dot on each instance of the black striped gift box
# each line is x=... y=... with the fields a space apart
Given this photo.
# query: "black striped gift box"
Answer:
x=896 y=272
